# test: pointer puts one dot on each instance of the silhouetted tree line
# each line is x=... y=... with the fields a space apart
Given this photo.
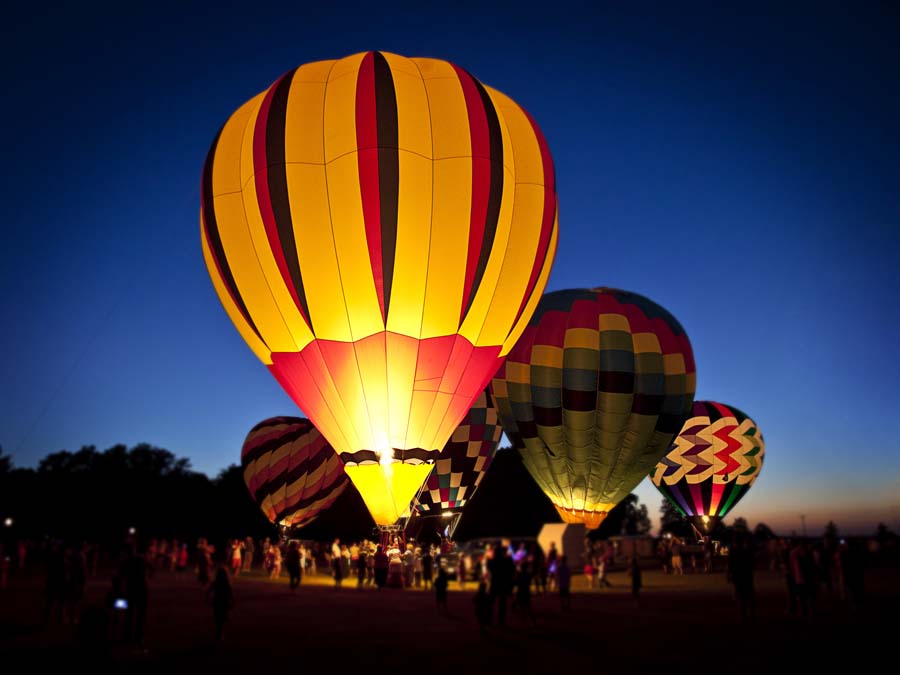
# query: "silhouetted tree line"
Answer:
x=97 y=496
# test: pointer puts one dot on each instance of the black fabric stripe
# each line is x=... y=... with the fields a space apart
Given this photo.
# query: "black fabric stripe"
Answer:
x=611 y=382
x=579 y=401
x=309 y=501
x=388 y=169
x=278 y=188
x=548 y=417
x=307 y=466
x=215 y=240
x=495 y=194
x=273 y=444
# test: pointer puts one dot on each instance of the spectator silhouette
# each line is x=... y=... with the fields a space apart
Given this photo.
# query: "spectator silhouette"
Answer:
x=134 y=578
x=502 y=571
x=221 y=596
x=523 y=594
x=740 y=573
x=483 y=608
x=564 y=583
x=381 y=567
x=55 y=589
x=292 y=562
x=634 y=571
x=440 y=589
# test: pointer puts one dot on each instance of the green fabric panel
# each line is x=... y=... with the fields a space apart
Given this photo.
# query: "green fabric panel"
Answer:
x=616 y=339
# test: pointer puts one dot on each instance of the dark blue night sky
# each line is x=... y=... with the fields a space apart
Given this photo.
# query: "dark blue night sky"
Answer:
x=740 y=167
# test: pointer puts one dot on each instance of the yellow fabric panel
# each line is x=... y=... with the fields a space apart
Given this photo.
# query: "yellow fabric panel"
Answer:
x=248 y=274
x=646 y=342
x=614 y=322
x=226 y=173
x=401 y=65
x=500 y=306
x=673 y=364
x=547 y=355
x=314 y=72
x=352 y=249
x=529 y=165
x=340 y=108
x=311 y=216
x=449 y=246
x=586 y=338
x=413 y=116
x=266 y=507
x=388 y=492
x=258 y=346
x=291 y=316
x=432 y=68
x=435 y=420
x=349 y=65
x=536 y=294
x=303 y=129
x=371 y=357
x=449 y=115
x=412 y=248
x=419 y=410
x=401 y=355
x=518 y=373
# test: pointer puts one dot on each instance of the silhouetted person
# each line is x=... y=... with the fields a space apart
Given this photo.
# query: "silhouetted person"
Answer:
x=76 y=578
x=564 y=582
x=427 y=567
x=440 y=589
x=853 y=564
x=361 y=566
x=502 y=570
x=523 y=594
x=292 y=562
x=221 y=596
x=483 y=608
x=134 y=578
x=382 y=563
x=740 y=573
x=799 y=565
x=337 y=565
x=634 y=571
x=55 y=590
x=552 y=567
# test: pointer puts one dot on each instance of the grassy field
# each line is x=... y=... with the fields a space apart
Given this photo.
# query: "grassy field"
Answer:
x=685 y=624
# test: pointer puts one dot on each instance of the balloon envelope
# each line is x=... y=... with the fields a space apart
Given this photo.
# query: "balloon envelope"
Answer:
x=592 y=395
x=379 y=229
x=291 y=471
x=711 y=464
x=461 y=465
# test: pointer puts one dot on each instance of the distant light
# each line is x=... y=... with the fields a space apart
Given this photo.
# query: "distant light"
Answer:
x=8 y=522
x=131 y=530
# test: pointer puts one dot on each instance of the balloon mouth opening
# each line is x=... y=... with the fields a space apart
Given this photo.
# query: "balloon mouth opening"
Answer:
x=590 y=519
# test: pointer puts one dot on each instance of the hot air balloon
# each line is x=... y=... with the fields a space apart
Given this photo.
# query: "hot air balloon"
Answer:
x=592 y=395
x=711 y=464
x=462 y=463
x=379 y=229
x=291 y=471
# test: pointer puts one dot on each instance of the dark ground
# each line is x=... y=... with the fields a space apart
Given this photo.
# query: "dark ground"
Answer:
x=686 y=624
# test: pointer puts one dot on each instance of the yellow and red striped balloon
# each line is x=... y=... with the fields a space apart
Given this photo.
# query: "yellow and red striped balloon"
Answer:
x=380 y=230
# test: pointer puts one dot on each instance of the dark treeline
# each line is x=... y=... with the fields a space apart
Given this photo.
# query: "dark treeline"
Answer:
x=98 y=496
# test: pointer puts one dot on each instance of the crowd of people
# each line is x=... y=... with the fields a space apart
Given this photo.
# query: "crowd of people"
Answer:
x=505 y=575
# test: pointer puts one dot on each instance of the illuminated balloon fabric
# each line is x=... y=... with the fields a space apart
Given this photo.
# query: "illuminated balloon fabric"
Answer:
x=593 y=394
x=462 y=463
x=291 y=471
x=379 y=230
x=711 y=464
